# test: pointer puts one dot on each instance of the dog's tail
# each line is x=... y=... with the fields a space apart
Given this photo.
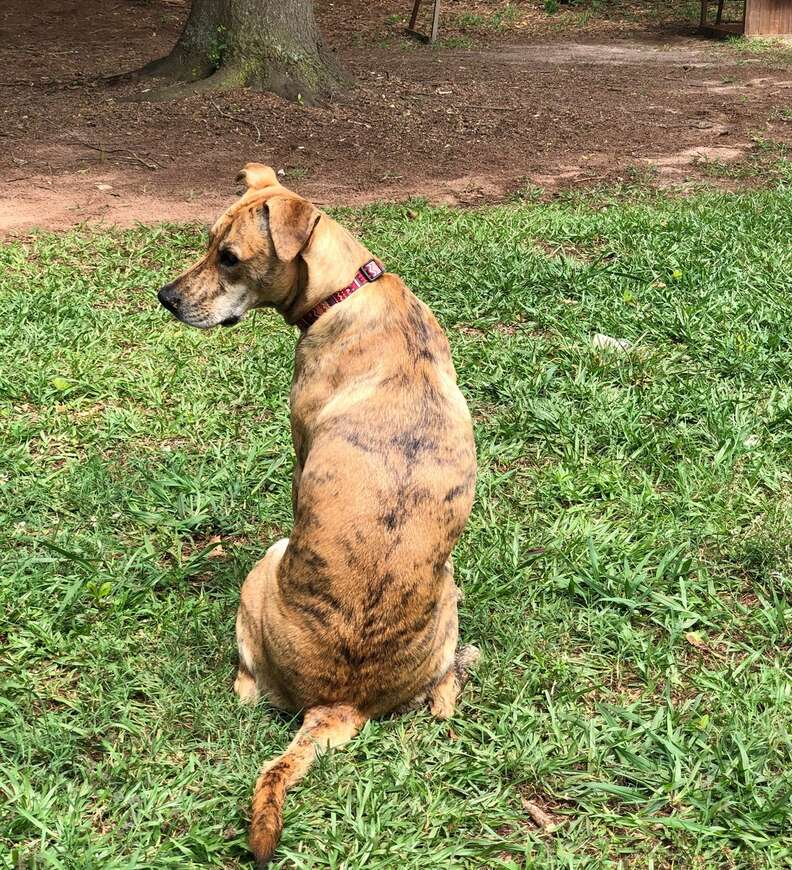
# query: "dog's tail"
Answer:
x=322 y=728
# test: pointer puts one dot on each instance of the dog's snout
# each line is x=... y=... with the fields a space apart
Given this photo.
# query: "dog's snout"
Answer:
x=169 y=297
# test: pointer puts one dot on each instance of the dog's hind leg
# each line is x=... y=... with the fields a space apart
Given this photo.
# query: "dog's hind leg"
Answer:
x=443 y=696
x=252 y=673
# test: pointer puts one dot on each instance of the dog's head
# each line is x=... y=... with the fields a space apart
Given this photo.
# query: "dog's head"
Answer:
x=253 y=258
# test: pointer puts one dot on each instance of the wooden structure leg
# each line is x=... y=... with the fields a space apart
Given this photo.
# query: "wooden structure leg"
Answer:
x=435 y=22
x=760 y=18
x=718 y=27
x=414 y=16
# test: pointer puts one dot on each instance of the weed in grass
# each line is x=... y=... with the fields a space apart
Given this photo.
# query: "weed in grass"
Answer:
x=502 y=18
x=295 y=173
x=528 y=192
x=462 y=42
x=470 y=21
x=498 y=20
x=627 y=565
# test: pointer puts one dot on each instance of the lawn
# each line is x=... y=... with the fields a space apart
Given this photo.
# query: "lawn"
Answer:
x=627 y=565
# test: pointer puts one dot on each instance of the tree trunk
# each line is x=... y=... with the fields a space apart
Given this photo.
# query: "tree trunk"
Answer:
x=271 y=45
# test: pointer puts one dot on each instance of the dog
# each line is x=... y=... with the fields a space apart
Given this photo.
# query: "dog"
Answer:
x=354 y=615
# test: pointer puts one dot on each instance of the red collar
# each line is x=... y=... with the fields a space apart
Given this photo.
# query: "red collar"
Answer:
x=366 y=274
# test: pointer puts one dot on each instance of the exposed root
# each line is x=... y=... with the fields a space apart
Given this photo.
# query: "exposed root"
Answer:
x=284 y=82
x=223 y=79
x=175 y=66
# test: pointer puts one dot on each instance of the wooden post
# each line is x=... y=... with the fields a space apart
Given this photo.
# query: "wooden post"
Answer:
x=435 y=21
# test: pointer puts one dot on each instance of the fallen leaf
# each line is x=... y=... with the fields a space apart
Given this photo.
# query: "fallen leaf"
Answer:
x=607 y=342
x=695 y=639
x=544 y=820
x=217 y=551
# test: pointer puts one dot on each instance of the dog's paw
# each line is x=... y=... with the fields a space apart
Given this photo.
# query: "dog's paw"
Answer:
x=442 y=706
x=245 y=688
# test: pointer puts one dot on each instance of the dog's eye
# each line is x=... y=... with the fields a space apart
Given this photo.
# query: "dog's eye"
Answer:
x=228 y=258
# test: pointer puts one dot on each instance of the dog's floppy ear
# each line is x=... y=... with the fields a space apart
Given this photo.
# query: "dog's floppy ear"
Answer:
x=291 y=224
x=256 y=175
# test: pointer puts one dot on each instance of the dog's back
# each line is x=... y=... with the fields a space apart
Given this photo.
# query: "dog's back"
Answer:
x=386 y=460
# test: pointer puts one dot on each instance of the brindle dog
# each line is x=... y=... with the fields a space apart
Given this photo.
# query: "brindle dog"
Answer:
x=355 y=614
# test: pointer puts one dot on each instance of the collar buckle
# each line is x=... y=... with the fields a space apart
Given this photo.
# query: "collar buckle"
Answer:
x=368 y=273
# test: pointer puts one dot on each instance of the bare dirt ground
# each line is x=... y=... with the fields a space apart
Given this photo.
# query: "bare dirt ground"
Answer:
x=510 y=97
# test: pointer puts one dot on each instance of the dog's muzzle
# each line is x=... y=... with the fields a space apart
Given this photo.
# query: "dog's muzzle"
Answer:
x=170 y=298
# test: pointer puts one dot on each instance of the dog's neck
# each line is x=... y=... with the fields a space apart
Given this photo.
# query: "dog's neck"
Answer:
x=329 y=262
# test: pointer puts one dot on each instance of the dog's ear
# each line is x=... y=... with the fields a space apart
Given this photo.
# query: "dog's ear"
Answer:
x=291 y=224
x=256 y=175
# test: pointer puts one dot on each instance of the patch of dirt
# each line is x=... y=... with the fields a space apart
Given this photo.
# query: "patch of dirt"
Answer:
x=681 y=161
x=510 y=98
x=774 y=86
x=619 y=53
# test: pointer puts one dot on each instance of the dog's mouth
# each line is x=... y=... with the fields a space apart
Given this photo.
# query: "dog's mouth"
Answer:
x=227 y=311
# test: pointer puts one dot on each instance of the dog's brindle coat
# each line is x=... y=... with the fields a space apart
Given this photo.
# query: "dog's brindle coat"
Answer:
x=355 y=614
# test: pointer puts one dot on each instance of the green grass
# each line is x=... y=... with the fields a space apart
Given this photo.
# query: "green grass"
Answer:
x=500 y=19
x=627 y=564
x=583 y=13
x=777 y=53
x=757 y=45
x=766 y=161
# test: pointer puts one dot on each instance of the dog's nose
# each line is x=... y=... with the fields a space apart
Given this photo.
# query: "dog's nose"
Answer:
x=169 y=297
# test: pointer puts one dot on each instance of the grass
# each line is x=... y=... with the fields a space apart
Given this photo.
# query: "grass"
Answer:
x=759 y=45
x=498 y=20
x=775 y=53
x=582 y=13
x=627 y=565
x=766 y=161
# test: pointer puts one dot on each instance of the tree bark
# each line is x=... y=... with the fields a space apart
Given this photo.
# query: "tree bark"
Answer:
x=271 y=45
